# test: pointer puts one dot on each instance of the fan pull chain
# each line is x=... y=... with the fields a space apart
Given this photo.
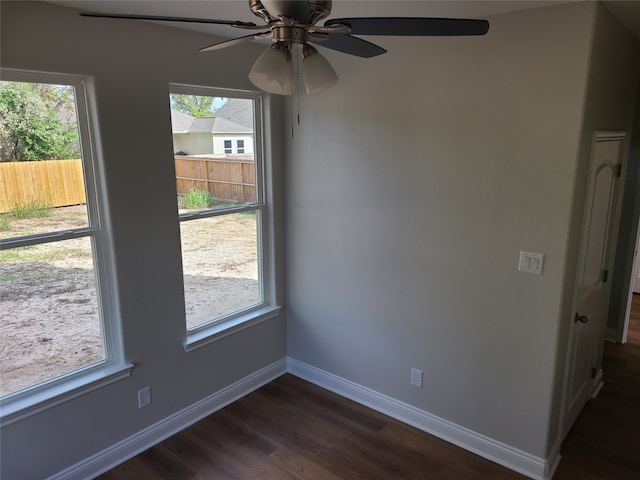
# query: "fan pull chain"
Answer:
x=291 y=107
x=295 y=87
x=298 y=85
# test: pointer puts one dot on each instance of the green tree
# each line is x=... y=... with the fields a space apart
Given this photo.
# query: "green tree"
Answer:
x=37 y=122
x=194 y=105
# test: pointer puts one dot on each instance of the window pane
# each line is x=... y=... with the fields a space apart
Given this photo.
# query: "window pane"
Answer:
x=40 y=166
x=220 y=263
x=209 y=173
x=49 y=318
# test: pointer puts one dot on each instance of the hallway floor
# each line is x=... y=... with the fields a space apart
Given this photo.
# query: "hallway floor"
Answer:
x=604 y=443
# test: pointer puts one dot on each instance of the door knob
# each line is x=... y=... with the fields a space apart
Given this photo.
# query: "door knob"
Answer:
x=581 y=318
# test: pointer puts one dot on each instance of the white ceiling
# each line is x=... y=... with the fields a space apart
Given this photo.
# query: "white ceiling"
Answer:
x=627 y=11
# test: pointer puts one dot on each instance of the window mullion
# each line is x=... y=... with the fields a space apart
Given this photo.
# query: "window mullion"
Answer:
x=8 y=243
x=222 y=211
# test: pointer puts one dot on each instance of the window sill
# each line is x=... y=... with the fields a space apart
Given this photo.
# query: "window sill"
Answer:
x=223 y=329
x=25 y=403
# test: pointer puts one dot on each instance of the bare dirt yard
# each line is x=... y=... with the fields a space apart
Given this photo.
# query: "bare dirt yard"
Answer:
x=49 y=319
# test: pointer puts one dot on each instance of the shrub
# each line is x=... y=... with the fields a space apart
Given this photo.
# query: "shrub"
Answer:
x=195 y=199
x=32 y=209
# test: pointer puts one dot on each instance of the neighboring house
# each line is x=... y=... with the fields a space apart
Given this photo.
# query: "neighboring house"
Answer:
x=210 y=135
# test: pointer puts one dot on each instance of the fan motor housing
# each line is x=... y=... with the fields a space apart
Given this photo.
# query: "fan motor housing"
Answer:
x=289 y=34
x=303 y=12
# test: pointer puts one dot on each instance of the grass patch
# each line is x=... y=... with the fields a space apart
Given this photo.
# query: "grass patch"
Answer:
x=20 y=254
x=202 y=199
x=32 y=209
x=31 y=253
x=37 y=280
x=5 y=224
x=195 y=199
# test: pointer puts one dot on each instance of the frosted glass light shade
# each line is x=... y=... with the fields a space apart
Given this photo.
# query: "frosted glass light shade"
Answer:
x=317 y=73
x=272 y=70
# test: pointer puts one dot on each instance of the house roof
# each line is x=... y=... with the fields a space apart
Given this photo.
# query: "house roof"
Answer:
x=180 y=122
x=184 y=123
x=238 y=110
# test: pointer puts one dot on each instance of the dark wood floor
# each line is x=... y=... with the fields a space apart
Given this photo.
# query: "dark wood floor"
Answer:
x=291 y=429
x=604 y=443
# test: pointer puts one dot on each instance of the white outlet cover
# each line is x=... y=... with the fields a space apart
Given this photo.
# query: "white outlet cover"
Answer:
x=531 y=262
x=416 y=377
x=144 y=397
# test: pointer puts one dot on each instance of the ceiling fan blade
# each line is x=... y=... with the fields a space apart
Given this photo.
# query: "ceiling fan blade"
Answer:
x=236 y=41
x=412 y=26
x=348 y=44
x=233 y=23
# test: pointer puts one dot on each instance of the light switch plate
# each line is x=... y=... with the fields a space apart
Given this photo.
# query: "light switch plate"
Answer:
x=531 y=262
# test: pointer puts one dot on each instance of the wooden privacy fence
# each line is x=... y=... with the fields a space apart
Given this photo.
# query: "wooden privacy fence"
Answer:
x=59 y=183
x=56 y=183
x=230 y=178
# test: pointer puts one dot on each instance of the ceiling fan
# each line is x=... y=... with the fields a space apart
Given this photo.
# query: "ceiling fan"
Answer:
x=292 y=26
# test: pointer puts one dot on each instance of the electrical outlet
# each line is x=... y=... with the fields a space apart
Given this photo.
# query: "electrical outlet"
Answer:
x=416 y=377
x=144 y=397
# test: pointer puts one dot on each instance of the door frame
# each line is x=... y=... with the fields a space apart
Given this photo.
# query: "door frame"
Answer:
x=635 y=264
x=629 y=230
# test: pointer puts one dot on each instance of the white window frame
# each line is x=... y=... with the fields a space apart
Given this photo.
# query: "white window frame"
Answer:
x=41 y=396
x=229 y=148
x=238 y=147
x=266 y=308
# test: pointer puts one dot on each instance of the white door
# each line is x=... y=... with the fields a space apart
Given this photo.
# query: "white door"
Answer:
x=588 y=320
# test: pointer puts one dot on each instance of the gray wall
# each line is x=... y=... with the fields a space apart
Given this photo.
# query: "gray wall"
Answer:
x=132 y=64
x=411 y=189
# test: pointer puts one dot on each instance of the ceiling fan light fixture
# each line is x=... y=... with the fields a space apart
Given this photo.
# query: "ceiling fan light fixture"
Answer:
x=317 y=73
x=292 y=23
x=272 y=70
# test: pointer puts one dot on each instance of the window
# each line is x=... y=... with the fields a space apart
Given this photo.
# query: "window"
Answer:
x=55 y=313
x=222 y=214
x=240 y=144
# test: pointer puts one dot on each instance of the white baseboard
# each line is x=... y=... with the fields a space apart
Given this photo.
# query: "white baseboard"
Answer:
x=135 y=444
x=611 y=335
x=553 y=460
x=510 y=457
